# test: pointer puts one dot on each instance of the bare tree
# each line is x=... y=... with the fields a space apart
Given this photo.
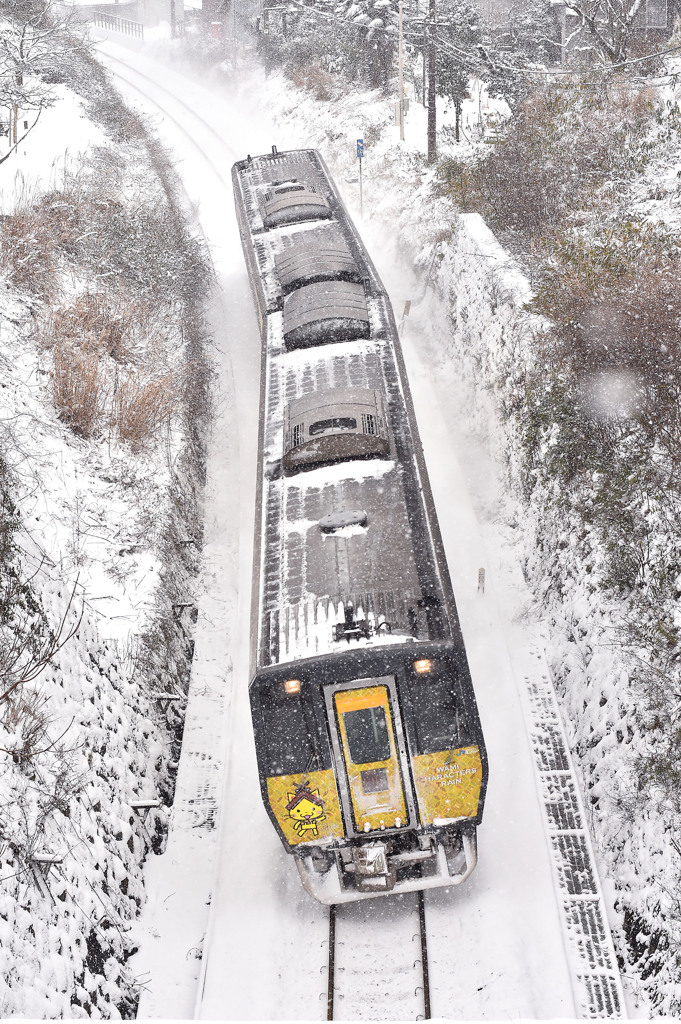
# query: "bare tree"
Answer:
x=35 y=43
x=609 y=26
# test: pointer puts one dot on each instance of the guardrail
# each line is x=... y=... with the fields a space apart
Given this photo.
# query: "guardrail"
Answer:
x=128 y=28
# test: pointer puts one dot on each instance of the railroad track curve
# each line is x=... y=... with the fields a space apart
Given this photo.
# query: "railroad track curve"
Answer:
x=132 y=78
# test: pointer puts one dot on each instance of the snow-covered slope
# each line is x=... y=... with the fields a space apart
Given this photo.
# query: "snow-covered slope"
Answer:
x=100 y=539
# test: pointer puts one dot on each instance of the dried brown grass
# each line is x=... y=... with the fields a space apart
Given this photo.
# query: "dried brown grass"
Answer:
x=93 y=323
x=315 y=80
x=78 y=388
x=112 y=365
x=115 y=323
x=28 y=255
x=114 y=347
x=142 y=405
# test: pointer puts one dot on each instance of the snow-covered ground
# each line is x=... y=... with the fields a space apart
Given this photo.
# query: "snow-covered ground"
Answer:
x=263 y=952
x=64 y=133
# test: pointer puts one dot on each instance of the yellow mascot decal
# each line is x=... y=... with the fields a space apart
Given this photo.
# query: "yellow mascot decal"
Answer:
x=306 y=807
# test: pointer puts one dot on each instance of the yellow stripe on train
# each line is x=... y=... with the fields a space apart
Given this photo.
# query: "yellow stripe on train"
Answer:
x=448 y=783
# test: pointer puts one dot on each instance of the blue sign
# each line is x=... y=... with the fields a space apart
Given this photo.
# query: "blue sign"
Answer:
x=360 y=148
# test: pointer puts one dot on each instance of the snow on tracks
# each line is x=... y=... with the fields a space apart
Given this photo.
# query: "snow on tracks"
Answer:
x=378 y=971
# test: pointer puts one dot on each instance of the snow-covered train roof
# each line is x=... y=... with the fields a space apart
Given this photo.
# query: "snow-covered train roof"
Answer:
x=253 y=179
x=378 y=581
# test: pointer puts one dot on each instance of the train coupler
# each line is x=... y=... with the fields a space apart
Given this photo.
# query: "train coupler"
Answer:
x=372 y=873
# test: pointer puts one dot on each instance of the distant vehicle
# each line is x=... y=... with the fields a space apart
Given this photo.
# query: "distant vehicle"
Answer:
x=371 y=757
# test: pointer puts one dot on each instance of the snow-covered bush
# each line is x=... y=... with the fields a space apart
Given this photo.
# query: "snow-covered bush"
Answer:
x=554 y=157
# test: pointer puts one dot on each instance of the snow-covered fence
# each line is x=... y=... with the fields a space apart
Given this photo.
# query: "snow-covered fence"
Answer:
x=112 y=24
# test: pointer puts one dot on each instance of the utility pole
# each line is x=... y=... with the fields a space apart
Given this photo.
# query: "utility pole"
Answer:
x=424 y=85
x=432 y=117
x=401 y=71
x=266 y=35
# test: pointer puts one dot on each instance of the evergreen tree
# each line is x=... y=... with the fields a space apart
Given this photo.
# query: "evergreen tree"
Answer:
x=377 y=24
x=457 y=57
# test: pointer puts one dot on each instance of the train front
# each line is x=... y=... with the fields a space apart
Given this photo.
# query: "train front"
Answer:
x=373 y=768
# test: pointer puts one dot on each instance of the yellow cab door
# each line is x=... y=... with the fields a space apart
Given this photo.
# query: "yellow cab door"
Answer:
x=367 y=736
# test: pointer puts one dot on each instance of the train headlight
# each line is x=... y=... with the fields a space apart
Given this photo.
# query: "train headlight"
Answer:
x=423 y=666
x=292 y=686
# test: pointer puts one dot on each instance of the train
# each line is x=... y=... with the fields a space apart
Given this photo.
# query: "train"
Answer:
x=371 y=757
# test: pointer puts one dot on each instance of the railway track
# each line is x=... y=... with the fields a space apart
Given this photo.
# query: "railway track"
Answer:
x=378 y=960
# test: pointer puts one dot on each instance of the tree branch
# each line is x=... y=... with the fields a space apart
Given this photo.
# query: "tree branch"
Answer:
x=15 y=146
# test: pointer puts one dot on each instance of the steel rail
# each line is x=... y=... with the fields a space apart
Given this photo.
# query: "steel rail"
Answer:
x=333 y=966
x=332 y=961
x=163 y=109
x=424 y=956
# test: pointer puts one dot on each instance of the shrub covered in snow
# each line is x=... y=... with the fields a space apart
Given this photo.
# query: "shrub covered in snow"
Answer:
x=566 y=146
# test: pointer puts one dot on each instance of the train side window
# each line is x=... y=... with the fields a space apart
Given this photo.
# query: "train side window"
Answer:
x=438 y=717
x=288 y=742
x=298 y=435
x=367 y=733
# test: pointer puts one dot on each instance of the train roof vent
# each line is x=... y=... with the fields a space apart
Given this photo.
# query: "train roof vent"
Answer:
x=288 y=202
x=310 y=261
x=332 y=426
x=337 y=520
x=325 y=312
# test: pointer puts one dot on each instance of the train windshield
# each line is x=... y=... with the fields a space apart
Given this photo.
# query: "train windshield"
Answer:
x=367 y=733
x=287 y=736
